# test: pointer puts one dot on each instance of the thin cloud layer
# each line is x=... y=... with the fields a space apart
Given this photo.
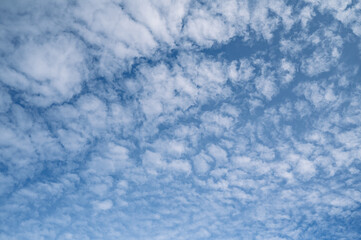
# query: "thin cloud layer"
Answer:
x=180 y=119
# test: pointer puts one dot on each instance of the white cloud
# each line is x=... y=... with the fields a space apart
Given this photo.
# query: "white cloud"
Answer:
x=150 y=17
x=106 y=24
x=201 y=163
x=49 y=71
x=103 y=205
x=241 y=71
x=215 y=122
x=114 y=158
x=306 y=14
x=325 y=55
x=180 y=166
x=72 y=140
x=93 y=110
x=153 y=161
x=266 y=87
x=260 y=21
x=218 y=153
x=241 y=161
x=138 y=119
x=265 y=152
x=288 y=71
x=317 y=94
x=306 y=168
x=205 y=29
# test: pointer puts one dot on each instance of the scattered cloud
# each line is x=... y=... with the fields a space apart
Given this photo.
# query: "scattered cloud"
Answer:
x=128 y=120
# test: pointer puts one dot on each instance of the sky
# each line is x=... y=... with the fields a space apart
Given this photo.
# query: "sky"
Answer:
x=180 y=119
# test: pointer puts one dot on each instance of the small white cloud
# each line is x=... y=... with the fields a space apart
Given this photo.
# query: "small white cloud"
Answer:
x=71 y=140
x=181 y=166
x=306 y=168
x=111 y=159
x=218 y=153
x=205 y=29
x=152 y=162
x=103 y=205
x=201 y=163
x=266 y=87
x=306 y=14
x=241 y=161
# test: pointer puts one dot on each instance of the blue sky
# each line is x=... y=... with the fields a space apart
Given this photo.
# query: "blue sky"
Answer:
x=180 y=119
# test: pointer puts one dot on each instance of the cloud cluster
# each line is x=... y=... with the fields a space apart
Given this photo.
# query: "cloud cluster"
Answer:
x=180 y=119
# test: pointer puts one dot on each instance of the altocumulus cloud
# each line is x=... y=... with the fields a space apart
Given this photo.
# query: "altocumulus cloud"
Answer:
x=180 y=119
